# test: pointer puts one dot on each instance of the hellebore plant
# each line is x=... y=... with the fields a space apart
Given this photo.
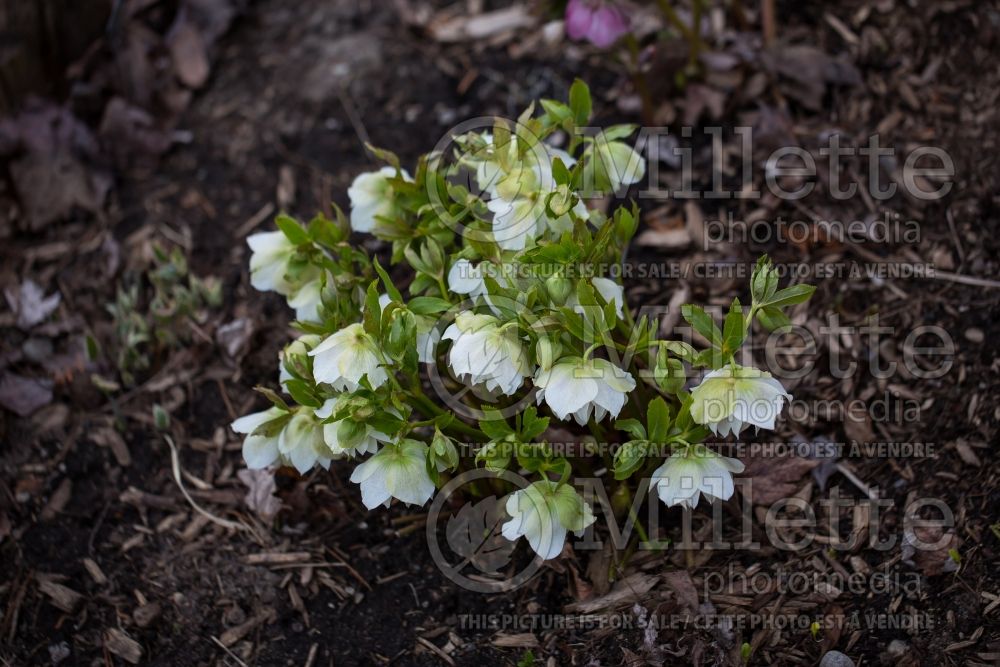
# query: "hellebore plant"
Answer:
x=502 y=302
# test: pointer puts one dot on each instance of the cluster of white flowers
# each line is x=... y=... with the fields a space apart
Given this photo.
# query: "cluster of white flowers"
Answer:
x=551 y=331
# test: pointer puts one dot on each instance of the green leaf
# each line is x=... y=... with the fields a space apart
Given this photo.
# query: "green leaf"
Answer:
x=273 y=427
x=733 y=329
x=629 y=458
x=633 y=427
x=580 y=103
x=559 y=172
x=373 y=310
x=302 y=393
x=532 y=425
x=618 y=131
x=495 y=455
x=272 y=396
x=428 y=305
x=388 y=157
x=390 y=287
x=764 y=281
x=773 y=319
x=292 y=230
x=702 y=323
x=791 y=296
x=495 y=426
x=658 y=420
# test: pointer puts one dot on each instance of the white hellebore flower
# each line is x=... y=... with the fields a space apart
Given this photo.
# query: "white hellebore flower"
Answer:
x=398 y=470
x=578 y=387
x=543 y=513
x=259 y=451
x=611 y=291
x=301 y=442
x=347 y=436
x=466 y=278
x=345 y=357
x=269 y=261
x=730 y=398
x=683 y=477
x=307 y=300
x=371 y=197
x=488 y=352
x=618 y=162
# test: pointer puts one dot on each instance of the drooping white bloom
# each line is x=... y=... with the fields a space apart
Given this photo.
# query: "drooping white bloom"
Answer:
x=516 y=221
x=618 y=162
x=269 y=261
x=259 y=451
x=518 y=192
x=684 y=477
x=307 y=300
x=487 y=352
x=578 y=387
x=543 y=513
x=398 y=470
x=346 y=437
x=301 y=442
x=611 y=291
x=464 y=277
x=730 y=398
x=345 y=357
x=371 y=197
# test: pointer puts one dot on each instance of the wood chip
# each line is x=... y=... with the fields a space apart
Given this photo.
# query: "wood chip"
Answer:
x=62 y=597
x=523 y=640
x=144 y=615
x=58 y=500
x=430 y=646
x=95 y=571
x=123 y=646
x=271 y=558
x=108 y=437
x=626 y=591
x=233 y=635
x=462 y=28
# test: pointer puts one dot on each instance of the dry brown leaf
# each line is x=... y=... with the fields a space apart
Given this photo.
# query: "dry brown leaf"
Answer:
x=928 y=548
x=260 y=497
x=189 y=53
x=772 y=478
x=30 y=304
x=24 y=395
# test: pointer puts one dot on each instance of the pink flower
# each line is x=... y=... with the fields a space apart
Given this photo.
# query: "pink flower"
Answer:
x=599 y=21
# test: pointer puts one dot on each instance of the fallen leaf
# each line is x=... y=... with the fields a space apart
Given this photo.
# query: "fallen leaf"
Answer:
x=30 y=304
x=772 y=478
x=260 y=497
x=51 y=172
x=810 y=71
x=679 y=581
x=928 y=548
x=131 y=133
x=234 y=336
x=24 y=395
x=188 y=52
x=474 y=534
